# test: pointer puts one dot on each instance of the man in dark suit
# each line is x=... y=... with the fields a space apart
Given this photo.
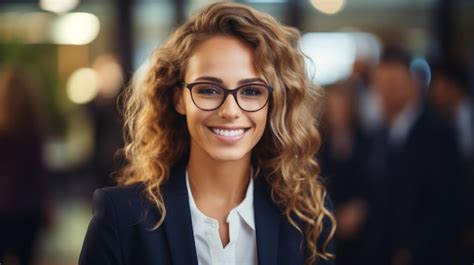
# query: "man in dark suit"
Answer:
x=413 y=168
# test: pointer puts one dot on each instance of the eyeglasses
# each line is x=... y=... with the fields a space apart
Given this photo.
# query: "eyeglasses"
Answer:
x=210 y=96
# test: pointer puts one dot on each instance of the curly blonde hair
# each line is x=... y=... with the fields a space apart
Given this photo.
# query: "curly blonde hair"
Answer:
x=157 y=137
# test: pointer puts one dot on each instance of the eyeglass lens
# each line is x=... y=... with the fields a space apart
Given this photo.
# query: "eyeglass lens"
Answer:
x=250 y=97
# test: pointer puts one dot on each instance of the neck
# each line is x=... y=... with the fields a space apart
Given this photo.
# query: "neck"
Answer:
x=219 y=183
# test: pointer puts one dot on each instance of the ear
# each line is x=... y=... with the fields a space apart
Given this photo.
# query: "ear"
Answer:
x=179 y=101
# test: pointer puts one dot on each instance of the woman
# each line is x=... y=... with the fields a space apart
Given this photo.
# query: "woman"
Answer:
x=24 y=200
x=221 y=140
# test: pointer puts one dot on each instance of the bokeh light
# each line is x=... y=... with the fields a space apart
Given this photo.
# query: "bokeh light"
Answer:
x=75 y=29
x=110 y=75
x=82 y=86
x=329 y=7
x=58 y=6
x=331 y=55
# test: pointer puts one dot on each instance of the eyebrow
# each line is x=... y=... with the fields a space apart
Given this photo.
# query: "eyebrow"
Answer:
x=218 y=80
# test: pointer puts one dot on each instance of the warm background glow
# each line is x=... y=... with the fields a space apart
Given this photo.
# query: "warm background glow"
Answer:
x=328 y=6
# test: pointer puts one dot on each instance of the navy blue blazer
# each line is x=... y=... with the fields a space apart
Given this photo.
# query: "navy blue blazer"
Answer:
x=120 y=232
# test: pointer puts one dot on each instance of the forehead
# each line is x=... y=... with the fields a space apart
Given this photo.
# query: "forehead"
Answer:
x=224 y=57
x=392 y=69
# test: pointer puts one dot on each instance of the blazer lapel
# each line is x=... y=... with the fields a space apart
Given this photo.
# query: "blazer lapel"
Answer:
x=267 y=222
x=177 y=224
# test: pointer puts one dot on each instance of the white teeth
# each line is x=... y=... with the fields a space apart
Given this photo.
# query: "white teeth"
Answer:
x=228 y=133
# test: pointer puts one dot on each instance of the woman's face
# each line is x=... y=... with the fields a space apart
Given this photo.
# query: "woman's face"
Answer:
x=227 y=133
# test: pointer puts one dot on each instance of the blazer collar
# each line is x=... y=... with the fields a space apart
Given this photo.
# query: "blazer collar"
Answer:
x=267 y=222
x=178 y=223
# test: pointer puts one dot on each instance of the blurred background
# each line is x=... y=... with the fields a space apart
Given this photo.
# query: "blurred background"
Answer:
x=397 y=120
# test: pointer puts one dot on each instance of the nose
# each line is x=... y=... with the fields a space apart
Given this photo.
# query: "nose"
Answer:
x=229 y=109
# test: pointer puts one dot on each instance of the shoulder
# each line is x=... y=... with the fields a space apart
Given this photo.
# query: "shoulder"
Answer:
x=117 y=211
x=121 y=193
x=431 y=121
x=122 y=202
x=435 y=133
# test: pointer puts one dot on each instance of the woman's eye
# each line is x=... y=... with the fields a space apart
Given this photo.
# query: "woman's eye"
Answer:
x=250 y=91
x=208 y=91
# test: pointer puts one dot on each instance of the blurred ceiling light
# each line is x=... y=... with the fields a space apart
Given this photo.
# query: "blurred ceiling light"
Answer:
x=267 y=1
x=58 y=6
x=109 y=74
x=82 y=86
x=331 y=55
x=75 y=29
x=329 y=7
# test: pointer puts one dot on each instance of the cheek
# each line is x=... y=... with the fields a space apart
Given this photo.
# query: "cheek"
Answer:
x=196 y=120
x=194 y=117
x=260 y=120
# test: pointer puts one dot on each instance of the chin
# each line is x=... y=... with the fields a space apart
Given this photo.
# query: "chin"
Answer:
x=228 y=155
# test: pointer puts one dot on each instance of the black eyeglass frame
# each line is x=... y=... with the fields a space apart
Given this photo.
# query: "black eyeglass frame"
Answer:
x=227 y=91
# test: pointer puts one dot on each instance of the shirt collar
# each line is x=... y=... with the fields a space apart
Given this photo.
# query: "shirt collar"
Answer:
x=244 y=209
x=402 y=125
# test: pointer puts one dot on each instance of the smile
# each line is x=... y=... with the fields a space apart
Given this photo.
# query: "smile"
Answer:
x=228 y=133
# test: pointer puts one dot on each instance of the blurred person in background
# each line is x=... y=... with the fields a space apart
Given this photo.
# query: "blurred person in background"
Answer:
x=450 y=96
x=413 y=173
x=366 y=102
x=342 y=158
x=23 y=185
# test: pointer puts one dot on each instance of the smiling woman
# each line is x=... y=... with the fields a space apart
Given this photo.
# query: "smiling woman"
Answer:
x=221 y=140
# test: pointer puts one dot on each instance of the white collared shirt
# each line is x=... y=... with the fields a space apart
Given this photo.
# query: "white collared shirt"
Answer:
x=242 y=246
x=403 y=124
